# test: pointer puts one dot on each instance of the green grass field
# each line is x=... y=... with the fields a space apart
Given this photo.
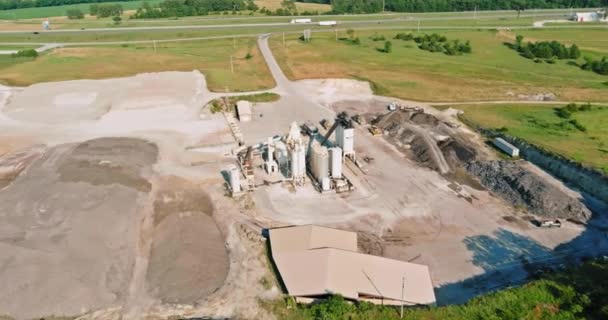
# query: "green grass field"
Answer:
x=212 y=58
x=539 y=125
x=16 y=47
x=491 y=72
x=47 y=12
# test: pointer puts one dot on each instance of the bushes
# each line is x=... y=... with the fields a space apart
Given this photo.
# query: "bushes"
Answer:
x=377 y=37
x=404 y=36
x=438 y=43
x=597 y=66
x=548 y=50
x=74 y=14
x=104 y=10
x=26 y=53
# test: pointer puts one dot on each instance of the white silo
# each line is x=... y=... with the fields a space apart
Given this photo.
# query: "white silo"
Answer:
x=325 y=184
x=319 y=162
x=345 y=138
x=302 y=161
x=297 y=156
x=336 y=162
x=281 y=156
x=235 y=179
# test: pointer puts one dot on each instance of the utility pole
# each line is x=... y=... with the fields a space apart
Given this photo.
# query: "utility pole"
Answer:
x=231 y=65
x=154 y=42
x=336 y=34
x=283 y=39
x=475 y=13
x=383 y=5
x=402 y=291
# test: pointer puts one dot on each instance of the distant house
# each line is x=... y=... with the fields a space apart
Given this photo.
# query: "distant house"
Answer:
x=243 y=109
x=315 y=262
x=587 y=16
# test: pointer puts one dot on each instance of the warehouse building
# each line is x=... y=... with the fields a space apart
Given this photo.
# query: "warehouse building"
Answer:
x=315 y=262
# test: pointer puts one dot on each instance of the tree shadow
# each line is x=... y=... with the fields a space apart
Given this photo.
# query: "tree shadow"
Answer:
x=510 y=259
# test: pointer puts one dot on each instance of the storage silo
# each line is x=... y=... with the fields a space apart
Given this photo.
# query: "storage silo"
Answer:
x=319 y=162
x=281 y=156
x=336 y=162
x=345 y=138
x=235 y=179
x=297 y=156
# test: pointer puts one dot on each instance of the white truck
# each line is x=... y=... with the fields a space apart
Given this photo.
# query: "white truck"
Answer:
x=328 y=23
x=301 y=20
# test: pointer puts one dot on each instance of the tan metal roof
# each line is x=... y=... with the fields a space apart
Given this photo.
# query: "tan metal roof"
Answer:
x=311 y=237
x=243 y=107
x=309 y=271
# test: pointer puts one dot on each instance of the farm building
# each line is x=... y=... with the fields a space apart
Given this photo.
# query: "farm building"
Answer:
x=314 y=262
x=243 y=108
x=587 y=16
x=508 y=148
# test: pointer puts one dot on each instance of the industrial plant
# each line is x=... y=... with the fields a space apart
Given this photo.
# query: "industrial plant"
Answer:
x=297 y=157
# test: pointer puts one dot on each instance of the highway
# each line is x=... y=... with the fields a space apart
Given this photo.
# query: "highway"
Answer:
x=399 y=18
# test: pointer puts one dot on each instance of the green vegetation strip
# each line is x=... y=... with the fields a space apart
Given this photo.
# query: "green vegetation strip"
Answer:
x=228 y=103
x=578 y=132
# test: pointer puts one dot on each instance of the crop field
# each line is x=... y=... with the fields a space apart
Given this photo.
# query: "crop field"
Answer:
x=212 y=58
x=492 y=72
x=540 y=125
x=46 y=12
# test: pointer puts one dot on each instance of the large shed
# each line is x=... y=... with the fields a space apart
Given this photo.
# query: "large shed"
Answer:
x=243 y=109
x=314 y=262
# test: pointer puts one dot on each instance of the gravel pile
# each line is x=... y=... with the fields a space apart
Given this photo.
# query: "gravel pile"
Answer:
x=520 y=187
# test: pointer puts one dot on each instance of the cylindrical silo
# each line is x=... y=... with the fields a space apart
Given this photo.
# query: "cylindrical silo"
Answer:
x=319 y=161
x=235 y=179
x=336 y=162
x=345 y=138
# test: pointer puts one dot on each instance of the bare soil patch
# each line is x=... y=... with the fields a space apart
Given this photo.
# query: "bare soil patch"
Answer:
x=122 y=158
x=188 y=260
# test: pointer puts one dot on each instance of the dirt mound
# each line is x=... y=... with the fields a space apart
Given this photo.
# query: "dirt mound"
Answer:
x=69 y=246
x=188 y=259
x=426 y=119
x=521 y=187
x=457 y=152
x=426 y=139
x=106 y=161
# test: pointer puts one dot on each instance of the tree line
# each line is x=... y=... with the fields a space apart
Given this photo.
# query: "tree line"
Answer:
x=18 y=4
x=184 y=8
x=369 y=6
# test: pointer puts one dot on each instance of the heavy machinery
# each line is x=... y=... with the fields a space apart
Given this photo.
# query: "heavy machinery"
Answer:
x=375 y=131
